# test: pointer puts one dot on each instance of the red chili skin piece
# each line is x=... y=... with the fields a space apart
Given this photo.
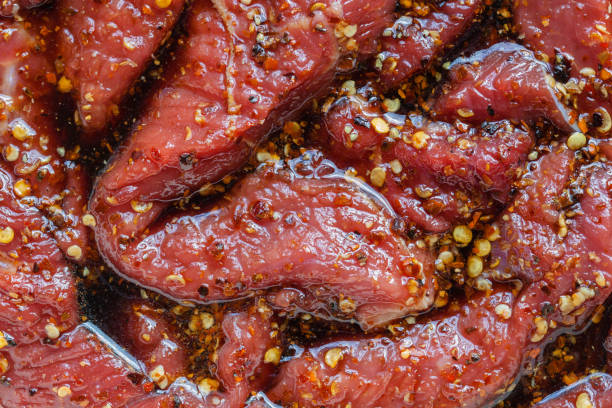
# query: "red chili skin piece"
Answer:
x=10 y=8
x=608 y=347
x=148 y=336
x=320 y=235
x=598 y=388
x=481 y=160
x=240 y=367
x=105 y=46
x=79 y=362
x=412 y=49
x=504 y=81
x=28 y=130
x=372 y=372
x=581 y=31
x=36 y=285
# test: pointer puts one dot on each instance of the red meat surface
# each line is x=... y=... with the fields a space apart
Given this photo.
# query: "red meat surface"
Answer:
x=77 y=371
x=240 y=367
x=320 y=235
x=595 y=389
x=534 y=240
x=470 y=354
x=441 y=164
x=105 y=46
x=12 y=7
x=144 y=331
x=32 y=145
x=36 y=285
x=575 y=36
x=504 y=81
x=414 y=41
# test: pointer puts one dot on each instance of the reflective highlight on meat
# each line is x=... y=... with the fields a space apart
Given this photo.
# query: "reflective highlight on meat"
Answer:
x=37 y=291
x=321 y=235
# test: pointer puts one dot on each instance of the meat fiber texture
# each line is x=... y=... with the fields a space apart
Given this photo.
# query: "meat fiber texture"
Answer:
x=104 y=47
x=470 y=354
x=81 y=369
x=414 y=41
x=436 y=174
x=321 y=235
x=37 y=291
x=210 y=111
x=575 y=38
x=33 y=147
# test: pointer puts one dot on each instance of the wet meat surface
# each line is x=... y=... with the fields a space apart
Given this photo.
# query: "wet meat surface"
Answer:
x=34 y=148
x=305 y=203
x=417 y=38
x=279 y=229
x=594 y=391
x=104 y=47
x=505 y=81
x=454 y=369
x=37 y=290
x=77 y=370
x=580 y=55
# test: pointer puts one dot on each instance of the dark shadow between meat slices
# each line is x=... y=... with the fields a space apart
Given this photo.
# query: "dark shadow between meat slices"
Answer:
x=471 y=354
x=434 y=174
x=323 y=236
x=574 y=37
x=594 y=391
x=504 y=81
x=104 y=47
x=32 y=146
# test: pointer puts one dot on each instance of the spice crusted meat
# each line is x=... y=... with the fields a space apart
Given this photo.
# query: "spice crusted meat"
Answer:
x=594 y=391
x=322 y=236
x=475 y=349
x=303 y=203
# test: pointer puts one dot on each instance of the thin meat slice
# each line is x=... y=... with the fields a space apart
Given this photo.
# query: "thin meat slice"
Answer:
x=504 y=81
x=10 y=8
x=451 y=359
x=414 y=41
x=558 y=218
x=242 y=366
x=469 y=355
x=79 y=370
x=150 y=337
x=32 y=146
x=435 y=173
x=212 y=109
x=37 y=291
x=237 y=76
x=321 y=235
x=594 y=391
x=104 y=46
x=575 y=38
